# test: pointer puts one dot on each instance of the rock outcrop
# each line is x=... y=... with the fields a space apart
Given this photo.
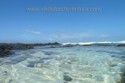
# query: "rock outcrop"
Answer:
x=7 y=49
x=121 y=45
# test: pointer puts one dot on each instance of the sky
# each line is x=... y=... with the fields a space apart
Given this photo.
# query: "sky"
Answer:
x=18 y=25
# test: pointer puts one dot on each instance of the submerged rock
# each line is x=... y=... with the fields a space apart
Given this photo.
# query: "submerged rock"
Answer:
x=35 y=64
x=122 y=75
x=122 y=80
x=39 y=65
x=65 y=82
x=67 y=78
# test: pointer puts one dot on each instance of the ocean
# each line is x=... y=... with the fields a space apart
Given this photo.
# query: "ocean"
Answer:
x=77 y=64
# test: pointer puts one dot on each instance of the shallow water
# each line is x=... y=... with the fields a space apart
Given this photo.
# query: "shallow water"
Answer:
x=79 y=64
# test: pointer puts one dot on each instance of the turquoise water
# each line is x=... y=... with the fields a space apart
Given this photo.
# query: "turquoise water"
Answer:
x=78 y=64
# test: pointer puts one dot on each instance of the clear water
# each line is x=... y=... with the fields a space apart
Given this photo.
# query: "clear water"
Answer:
x=79 y=64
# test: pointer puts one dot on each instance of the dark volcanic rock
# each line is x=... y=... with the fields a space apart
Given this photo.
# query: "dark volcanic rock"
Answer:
x=121 y=45
x=22 y=46
x=102 y=44
x=87 y=45
x=55 y=43
x=46 y=44
x=5 y=50
x=69 y=45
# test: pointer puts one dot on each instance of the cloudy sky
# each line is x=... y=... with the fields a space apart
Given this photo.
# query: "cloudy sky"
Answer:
x=19 y=25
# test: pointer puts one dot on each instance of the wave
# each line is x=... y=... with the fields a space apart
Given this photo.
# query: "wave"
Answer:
x=91 y=43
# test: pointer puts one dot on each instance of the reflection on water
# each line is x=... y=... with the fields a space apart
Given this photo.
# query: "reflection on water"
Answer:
x=78 y=64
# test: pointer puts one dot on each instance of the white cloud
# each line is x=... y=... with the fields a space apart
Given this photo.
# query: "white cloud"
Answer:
x=34 y=32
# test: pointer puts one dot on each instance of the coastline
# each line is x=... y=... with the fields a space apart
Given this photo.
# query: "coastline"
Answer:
x=7 y=48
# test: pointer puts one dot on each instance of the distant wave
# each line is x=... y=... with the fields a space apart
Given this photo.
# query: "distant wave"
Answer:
x=91 y=43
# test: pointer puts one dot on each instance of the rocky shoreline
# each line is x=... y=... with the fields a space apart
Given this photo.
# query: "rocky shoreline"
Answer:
x=7 y=48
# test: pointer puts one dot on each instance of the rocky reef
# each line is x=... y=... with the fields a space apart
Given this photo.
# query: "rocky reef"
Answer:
x=121 y=45
x=7 y=48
